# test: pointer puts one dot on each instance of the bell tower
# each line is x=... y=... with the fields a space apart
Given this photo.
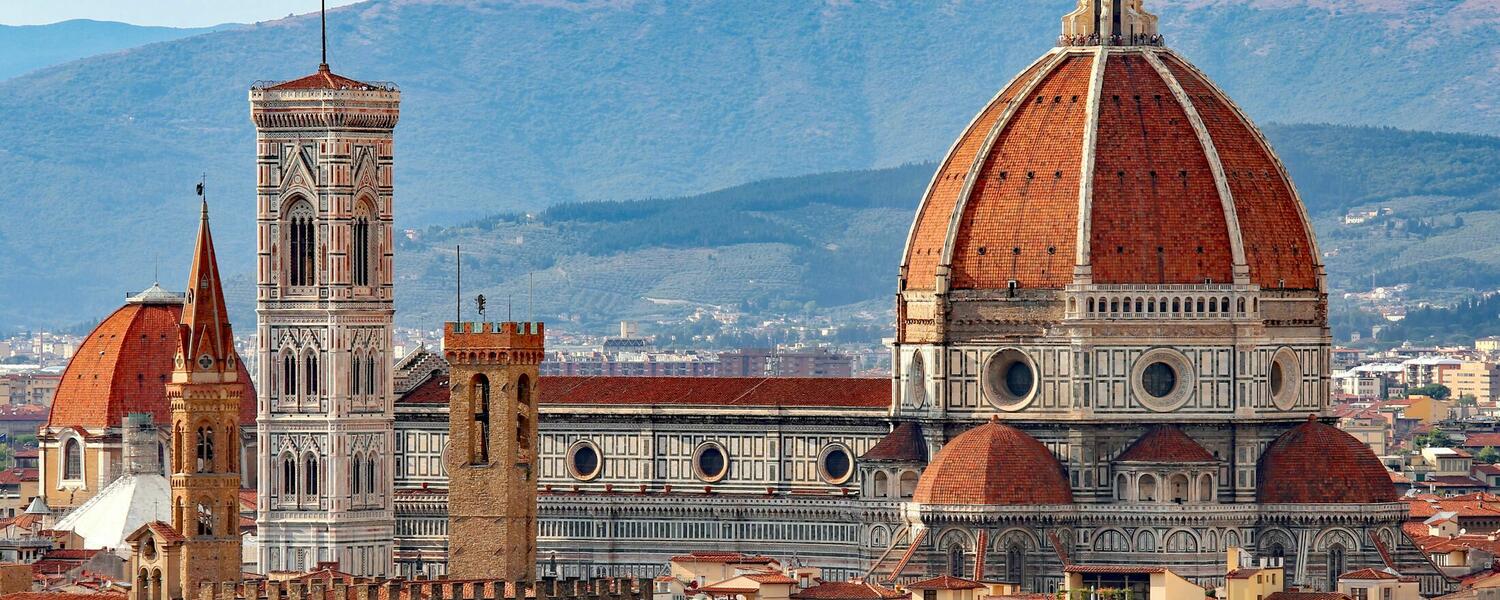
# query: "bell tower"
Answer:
x=492 y=425
x=324 y=161
x=205 y=400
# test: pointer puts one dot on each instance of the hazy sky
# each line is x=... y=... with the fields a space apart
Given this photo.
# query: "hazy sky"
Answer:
x=173 y=13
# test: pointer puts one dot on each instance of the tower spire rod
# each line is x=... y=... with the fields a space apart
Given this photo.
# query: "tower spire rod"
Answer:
x=458 y=291
x=323 y=14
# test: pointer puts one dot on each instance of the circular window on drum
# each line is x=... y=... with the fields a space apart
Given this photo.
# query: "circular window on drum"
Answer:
x=1010 y=379
x=1284 y=379
x=835 y=464
x=710 y=462
x=584 y=461
x=1162 y=379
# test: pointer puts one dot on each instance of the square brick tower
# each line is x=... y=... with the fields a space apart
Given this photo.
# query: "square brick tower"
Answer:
x=492 y=419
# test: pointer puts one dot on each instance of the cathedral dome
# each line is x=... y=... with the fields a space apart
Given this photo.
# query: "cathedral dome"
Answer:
x=1112 y=165
x=124 y=364
x=1316 y=463
x=993 y=464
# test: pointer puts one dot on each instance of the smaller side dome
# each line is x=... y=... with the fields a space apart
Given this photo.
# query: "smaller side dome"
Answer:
x=993 y=464
x=1166 y=444
x=1316 y=463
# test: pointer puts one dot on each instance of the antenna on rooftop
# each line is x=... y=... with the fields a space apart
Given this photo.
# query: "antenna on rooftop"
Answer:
x=458 y=259
x=323 y=14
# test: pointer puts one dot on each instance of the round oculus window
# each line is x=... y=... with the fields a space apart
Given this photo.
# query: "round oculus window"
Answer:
x=1283 y=378
x=710 y=463
x=835 y=464
x=1159 y=380
x=584 y=461
x=1010 y=379
x=1162 y=379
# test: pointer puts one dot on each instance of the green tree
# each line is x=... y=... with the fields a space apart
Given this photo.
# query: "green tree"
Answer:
x=1488 y=456
x=1436 y=438
x=1468 y=400
x=1432 y=390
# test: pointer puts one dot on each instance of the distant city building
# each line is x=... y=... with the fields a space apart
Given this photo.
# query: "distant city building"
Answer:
x=1346 y=358
x=29 y=388
x=771 y=362
x=1479 y=379
x=1488 y=345
x=1429 y=370
x=629 y=364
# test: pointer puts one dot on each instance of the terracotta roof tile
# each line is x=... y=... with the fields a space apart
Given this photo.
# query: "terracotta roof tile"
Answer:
x=324 y=79
x=808 y=392
x=1478 y=504
x=1026 y=195
x=931 y=228
x=1157 y=217
x=1482 y=440
x=945 y=582
x=1315 y=463
x=903 y=444
x=846 y=590
x=1114 y=569
x=17 y=475
x=1277 y=245
x=1166 y=444
x=1370 y=575
x=123 y=367
x=993 y=464
x=64 y=596
x=1156 y=214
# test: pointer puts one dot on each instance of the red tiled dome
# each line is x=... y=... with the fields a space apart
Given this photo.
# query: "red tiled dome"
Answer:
x=1143 y=162
x=1315 y=463
x=1166 y=444
x=993 y=463
x=123 y=367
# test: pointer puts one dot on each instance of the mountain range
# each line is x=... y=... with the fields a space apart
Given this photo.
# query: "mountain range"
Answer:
x=516 y=106
x=26 y=48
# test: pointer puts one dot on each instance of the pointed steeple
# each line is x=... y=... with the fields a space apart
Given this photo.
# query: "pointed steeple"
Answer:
x=207 y=343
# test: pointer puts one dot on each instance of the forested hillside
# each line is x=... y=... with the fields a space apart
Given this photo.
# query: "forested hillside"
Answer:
x=514 y=106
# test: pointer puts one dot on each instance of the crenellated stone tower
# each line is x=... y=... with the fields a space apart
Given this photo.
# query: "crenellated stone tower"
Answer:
x=492 y=422
x=324 y=301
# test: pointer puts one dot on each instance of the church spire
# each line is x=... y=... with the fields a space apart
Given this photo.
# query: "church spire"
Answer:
x=207 y=343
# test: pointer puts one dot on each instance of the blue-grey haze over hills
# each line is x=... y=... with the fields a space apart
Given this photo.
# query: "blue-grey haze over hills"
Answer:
x=511 y=107
x=26 y=48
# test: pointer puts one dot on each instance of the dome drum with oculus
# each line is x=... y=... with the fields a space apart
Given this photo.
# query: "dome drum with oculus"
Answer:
x=1162 y=379
x=584 y=461
x=710 y=462
x=1010 y=379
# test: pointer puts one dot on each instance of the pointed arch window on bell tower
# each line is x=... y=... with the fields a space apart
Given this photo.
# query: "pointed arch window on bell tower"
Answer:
x=205 y=449
x=360 y=253
x=301 y=234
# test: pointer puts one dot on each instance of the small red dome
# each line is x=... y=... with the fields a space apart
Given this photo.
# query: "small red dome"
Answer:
x=1137 y=170
x=123 y=367
x=994 y=464
x=1315 y=463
